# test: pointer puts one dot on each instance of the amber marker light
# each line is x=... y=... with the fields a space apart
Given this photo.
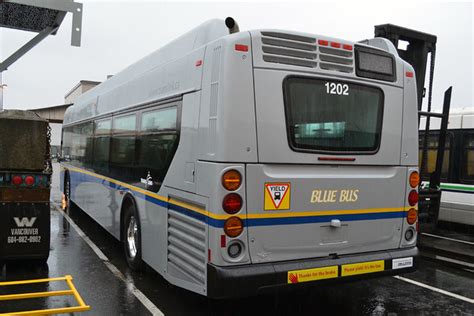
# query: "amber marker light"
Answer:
x=233 y=227
x=412 y=216
x=231 y=180
x=414 y=179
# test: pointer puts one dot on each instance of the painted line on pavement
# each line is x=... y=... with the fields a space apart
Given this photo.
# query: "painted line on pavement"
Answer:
x=435 y=289
x=130 y=286
x=447 y=238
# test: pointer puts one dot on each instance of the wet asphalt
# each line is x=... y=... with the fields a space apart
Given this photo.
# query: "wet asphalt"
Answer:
x=108 y=294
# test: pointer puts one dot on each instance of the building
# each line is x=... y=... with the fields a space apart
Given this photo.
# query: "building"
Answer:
x=82 y=87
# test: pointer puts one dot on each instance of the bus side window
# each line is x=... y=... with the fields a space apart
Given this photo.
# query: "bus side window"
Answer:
x=122 y=148
x=157 y=144
x=102 y=131
x=467 y=159
x=81 y=144
x=66 y=144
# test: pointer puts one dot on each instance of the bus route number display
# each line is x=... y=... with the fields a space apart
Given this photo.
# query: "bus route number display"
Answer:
x=337 y=88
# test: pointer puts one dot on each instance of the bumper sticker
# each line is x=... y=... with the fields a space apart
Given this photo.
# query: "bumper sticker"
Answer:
x=299 y=276
x=362 y=268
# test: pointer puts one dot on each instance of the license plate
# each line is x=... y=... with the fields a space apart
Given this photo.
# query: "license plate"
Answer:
x=362 y=268
x=298 y=276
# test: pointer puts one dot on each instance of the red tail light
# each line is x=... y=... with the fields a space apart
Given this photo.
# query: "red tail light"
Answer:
x=17 y=180
x=335 y=45
x=232 y=203
x=413 y=198
x=29 y=180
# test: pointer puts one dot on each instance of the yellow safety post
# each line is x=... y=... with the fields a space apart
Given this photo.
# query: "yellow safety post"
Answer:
x=82 y=307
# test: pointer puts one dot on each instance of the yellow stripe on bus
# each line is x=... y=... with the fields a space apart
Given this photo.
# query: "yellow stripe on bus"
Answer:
x=274 y=214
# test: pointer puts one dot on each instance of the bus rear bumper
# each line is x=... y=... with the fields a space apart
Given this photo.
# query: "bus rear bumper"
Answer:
x=248 y=280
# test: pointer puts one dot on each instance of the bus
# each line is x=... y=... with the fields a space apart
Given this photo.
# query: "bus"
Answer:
x=234 y=163
x=25 y=183
x=457 y=174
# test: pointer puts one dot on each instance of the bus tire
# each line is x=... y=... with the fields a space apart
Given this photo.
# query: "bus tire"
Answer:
x=132 y=238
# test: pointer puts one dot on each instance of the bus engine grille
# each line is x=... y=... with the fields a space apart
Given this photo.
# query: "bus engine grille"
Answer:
x=298 y=50
x=186 y=246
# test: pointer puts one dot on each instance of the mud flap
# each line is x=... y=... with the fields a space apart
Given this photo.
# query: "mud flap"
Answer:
x=25 y=230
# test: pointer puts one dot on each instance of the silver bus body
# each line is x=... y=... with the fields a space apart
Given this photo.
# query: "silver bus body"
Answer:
x=341 y=213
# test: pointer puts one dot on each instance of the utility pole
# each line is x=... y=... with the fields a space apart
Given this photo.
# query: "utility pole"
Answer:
x=1 y=92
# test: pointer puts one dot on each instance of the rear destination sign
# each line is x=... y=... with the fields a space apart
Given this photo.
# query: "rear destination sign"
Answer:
x=277 y=196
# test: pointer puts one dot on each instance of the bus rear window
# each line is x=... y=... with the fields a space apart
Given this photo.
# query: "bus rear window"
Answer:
x=332 y=116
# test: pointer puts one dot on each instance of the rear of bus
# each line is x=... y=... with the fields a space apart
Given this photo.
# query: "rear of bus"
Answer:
x=326 y=190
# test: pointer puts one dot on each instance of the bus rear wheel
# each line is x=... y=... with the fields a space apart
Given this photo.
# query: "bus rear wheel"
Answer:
x=132 y=238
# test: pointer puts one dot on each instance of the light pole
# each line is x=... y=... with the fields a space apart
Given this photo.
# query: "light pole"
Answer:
x=1 y=92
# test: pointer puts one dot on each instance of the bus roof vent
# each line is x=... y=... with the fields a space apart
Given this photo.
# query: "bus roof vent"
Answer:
x=299 y=50
x=289 y=49
x=336 y=59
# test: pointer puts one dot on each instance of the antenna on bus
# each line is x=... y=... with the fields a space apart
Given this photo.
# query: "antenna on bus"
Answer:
x=232 y=25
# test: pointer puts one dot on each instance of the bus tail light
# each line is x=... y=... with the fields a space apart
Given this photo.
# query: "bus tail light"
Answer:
x=413 y=198
x=232 y=203
x=17 y=180
x=414 y=179
x=233 y=226
x=412 y=216
x=231 y=180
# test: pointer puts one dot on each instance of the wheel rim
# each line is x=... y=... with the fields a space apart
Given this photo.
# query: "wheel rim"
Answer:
x=132 y=233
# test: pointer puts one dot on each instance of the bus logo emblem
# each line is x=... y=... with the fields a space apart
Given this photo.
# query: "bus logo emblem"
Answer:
x=277 y=196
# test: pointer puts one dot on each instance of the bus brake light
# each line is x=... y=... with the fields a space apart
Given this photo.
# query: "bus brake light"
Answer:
x=232 y=203
x=413 y=198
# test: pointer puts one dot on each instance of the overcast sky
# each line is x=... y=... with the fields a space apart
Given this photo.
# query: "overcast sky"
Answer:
x=116 y=34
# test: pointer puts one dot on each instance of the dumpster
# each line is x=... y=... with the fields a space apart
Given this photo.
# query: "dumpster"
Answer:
x=25 y=183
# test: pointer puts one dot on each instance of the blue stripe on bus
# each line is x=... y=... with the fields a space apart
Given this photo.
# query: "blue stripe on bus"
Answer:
x=322 y=219
x=250 y=222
